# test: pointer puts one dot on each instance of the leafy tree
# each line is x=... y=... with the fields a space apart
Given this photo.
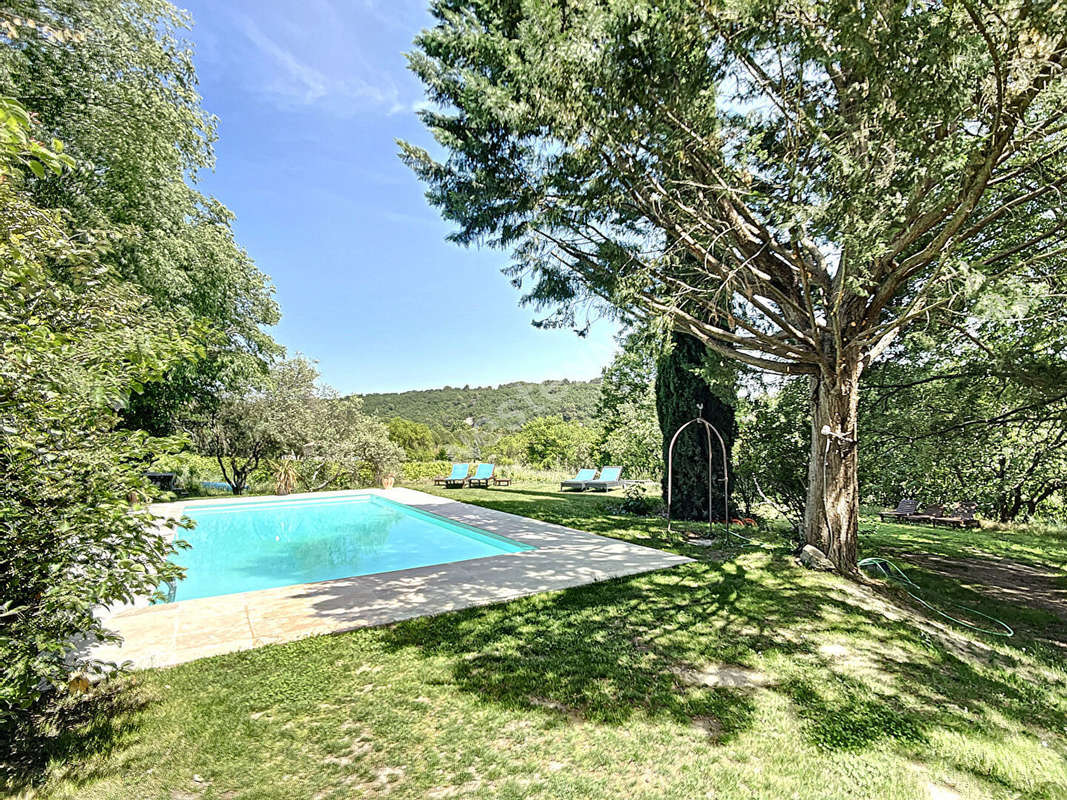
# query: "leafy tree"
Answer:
x=630 y=373
x=770 y=456
x=629 y=434
x=983 y=419
x=682 y=393
x=416 y=439
x=549 y=443
x=239 y=438
x=634 y=440
x=346 y=445
x=115 y=82
x=73 y=536
x=792 y=183
x=328 y=438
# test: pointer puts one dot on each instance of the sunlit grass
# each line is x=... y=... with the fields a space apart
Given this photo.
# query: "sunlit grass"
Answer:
x=833 y=690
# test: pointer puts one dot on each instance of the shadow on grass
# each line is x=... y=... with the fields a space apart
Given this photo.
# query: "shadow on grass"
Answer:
x=599 y=653
x=606 y=652
x=611 y=652
x=66 y=731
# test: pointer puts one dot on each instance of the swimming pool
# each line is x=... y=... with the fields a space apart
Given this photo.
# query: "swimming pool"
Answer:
x=245 y=546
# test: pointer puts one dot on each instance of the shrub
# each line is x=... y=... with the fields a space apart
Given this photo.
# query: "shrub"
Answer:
x=637 y=501
x=422 y=471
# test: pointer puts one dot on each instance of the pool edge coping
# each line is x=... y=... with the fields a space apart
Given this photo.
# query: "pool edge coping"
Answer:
x=552 y=546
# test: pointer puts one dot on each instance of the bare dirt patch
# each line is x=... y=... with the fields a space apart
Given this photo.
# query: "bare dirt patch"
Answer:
x=1007 y=581
x=709 y=726
x=571 y=714
x=722 y=676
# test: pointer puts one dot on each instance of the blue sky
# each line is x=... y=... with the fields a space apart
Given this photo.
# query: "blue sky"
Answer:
x=310 y=98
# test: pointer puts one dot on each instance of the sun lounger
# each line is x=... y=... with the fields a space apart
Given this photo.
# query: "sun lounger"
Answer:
x=609 y=479
x=458 y=478
x=483 y=473
x=579 y=481
x=963 y=517
x=904 y=507
x=927 y=515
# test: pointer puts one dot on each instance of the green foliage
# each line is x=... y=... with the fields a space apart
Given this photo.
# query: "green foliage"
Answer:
x=549 y=443
x=771 y=454
x=683 y=393
x=421 y=471
x=475 y=415
x=329 y=438
x=629 y=434
x=190 y=468
x=416 y=439
x=73 y=536
x=637 y=501
x=634 y=440
x=953 y=420
x=22 y=149
x=116 y=82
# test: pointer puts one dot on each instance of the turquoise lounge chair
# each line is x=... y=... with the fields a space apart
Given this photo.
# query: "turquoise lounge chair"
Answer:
x=579 y=481
x=458 y=478
x=609 y=479
x=482 y=475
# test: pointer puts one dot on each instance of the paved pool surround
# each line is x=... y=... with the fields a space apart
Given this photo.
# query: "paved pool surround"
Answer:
x=174 y=633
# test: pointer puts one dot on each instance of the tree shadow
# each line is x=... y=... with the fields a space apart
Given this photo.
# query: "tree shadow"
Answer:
x=69 y=729
x=599 y=653
x=606 y=652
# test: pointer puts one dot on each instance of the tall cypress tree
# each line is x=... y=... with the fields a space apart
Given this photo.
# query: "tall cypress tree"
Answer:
x=680 y=387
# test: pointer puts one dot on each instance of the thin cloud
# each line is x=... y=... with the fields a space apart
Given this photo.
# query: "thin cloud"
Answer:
x=291 y=81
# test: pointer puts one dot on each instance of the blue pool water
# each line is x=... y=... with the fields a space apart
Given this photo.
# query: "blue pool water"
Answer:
x=240 y=547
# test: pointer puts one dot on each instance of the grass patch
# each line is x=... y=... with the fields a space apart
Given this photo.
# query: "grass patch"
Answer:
x=832 y=690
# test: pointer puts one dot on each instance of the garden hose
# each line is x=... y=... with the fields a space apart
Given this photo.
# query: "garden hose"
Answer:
x=891 y=571
x=745 y=541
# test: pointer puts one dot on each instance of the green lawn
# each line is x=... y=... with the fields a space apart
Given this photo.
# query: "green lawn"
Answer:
x=603 y=691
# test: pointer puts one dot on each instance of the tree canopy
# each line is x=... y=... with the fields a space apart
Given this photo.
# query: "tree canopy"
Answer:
x=793 y=183
x=326 y=438
x=75 y=343
x=116 y=83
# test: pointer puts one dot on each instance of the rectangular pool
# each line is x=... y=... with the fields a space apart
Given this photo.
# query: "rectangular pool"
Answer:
x=244 y=546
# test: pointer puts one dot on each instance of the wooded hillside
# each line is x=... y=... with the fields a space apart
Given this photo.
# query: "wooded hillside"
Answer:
x=449 y=410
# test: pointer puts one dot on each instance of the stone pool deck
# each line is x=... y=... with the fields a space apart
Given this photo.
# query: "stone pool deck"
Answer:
x=173 y=633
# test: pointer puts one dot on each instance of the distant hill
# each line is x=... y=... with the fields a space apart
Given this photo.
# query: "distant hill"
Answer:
x=504 y=408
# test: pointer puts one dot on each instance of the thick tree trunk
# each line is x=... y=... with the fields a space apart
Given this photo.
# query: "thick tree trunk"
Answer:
x=831 y=515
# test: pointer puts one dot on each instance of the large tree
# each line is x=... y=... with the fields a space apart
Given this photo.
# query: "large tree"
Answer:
x=116 y=83
x=75 y=342
x=791 y=183
x=628 y=432
x=326 y=439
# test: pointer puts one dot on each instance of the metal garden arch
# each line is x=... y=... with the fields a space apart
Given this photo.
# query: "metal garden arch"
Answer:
x=709 y=429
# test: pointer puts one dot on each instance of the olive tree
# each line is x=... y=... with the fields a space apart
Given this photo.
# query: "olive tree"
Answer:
x=325 y=438
x=791 y=183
